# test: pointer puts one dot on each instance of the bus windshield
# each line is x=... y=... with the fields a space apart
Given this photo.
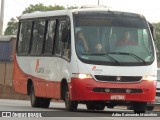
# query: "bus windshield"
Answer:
x=112 y=39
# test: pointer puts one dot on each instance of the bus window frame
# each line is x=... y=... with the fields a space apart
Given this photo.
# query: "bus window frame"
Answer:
x=42 y=54
x=19 y=26
x=33 y=23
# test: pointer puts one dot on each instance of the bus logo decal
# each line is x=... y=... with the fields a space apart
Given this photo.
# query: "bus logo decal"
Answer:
x=118 y=79
x=37 y=68
x=37 y=65
x=93 y=68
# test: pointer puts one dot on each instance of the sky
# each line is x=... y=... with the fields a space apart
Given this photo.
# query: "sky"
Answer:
x=149 y=8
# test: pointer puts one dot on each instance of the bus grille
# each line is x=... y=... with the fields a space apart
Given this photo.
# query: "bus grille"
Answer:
x=118 y=78
x=117 y=90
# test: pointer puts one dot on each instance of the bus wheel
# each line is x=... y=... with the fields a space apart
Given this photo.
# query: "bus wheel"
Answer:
x=100 y=106
x=110 y=106
x=130 y=107
x=94 y=106
x=70 y=105
x=150 y=108
x=139 y=107
x=44 y=102
x=35 y=101
x=90 y=106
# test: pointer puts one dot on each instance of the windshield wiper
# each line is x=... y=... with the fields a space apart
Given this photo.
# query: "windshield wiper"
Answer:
x=131 y=54
x=111 y=58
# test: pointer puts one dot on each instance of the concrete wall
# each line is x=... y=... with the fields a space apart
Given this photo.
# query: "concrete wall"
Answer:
x=6 y=70
x=2 y=73
x=6 y=73
x=9 y=74
x=7 y=92
x=6 y=86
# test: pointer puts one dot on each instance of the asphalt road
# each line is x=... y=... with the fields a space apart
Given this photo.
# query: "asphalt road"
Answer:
x=57 y=110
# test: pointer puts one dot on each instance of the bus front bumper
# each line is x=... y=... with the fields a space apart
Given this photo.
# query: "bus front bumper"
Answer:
x=85 y=90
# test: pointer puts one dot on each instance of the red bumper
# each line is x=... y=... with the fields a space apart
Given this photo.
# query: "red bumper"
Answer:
x=82 y=90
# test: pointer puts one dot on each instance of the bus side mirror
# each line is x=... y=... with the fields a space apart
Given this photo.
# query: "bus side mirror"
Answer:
x=152 y=30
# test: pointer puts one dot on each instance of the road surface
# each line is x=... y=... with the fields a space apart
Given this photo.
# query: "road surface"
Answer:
x=57 y=110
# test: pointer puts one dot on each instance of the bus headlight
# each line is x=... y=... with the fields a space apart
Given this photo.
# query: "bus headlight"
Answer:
x=81 y=76
x=149 y=77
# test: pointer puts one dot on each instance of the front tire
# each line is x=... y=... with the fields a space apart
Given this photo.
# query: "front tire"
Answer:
x=70 y=105
x=100 y=106
x=139 y=107
x=150 y=108
x=90 y=106
x=130 y=107
x=110 y=106
x=95 y=106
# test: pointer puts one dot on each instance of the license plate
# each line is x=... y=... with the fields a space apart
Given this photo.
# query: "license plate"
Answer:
x=117 y=97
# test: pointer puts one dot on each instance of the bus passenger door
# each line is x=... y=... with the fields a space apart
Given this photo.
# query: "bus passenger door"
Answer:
x=58 y=59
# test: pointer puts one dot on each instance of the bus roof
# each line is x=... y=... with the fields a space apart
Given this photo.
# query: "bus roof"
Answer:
x=39 y=14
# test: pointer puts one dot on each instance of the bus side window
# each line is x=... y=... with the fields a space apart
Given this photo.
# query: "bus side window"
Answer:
x=38 y=37
x=66 y=41
x=58 y=41
x=50 y=37
x=24 y=37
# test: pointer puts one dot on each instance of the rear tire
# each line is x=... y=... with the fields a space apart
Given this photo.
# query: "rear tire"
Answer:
x=70 y=105
x=44 y=102
x=139 y=107
x=35 y=101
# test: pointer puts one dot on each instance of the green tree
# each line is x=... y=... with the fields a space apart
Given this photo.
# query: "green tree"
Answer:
x=12 y=24
x=157 y=38
x=157 y=34
x=11 y=27
x=41 y=7
x=72 y=7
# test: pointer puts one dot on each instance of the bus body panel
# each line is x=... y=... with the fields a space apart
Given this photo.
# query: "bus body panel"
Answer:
x=48 y=72
x=43 y=86
x=82 y=90
x=41 y=72
x=117 y=70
